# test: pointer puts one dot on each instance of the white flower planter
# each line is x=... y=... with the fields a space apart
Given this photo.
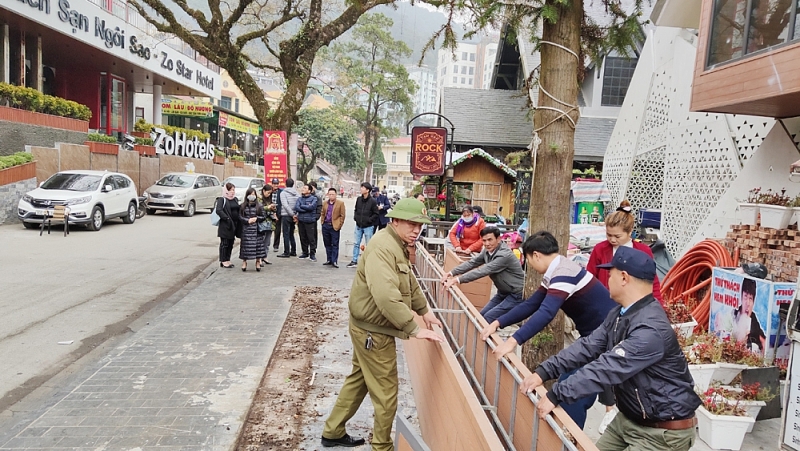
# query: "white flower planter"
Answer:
x=701 y=374
x=722 y=431
x=751 y=407
x=775 y=217
x=748 y=213
x=795 y=216
x=726 y=372
x=685 y=329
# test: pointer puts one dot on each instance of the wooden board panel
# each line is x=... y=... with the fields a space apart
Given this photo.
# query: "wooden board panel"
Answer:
x=478 y=291
x=449 y=413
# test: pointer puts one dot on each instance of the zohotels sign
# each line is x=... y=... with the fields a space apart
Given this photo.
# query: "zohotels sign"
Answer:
x=428 y=145
x=180 y=146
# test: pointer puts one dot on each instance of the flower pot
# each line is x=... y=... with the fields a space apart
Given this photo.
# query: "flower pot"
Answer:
x=726 y=372
x=722 y=431
x=105 y=148
x=238 y=164
x=17 y=173
x=685 y=329
x=795 y=216
x=775 y=216
x=752 y=408
x=145 y=150
x=748 y=213
x=219 y=159
x=701 y=374
x=140 y=134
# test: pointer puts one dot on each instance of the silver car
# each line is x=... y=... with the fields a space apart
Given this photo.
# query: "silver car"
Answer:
x=243 y=183
x=183 y=191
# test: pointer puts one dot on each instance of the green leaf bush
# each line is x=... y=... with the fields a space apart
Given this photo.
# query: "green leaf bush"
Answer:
x=32 y=100
x=15 y=159
x=143 y=126
x=100 y=138
x=237 y=158
x=144 y=141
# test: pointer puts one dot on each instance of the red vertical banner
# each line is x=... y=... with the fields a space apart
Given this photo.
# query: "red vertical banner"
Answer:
x=275 y=156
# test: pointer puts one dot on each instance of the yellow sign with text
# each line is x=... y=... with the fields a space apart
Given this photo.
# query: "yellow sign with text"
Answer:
x=193 y=108
x=236 y=123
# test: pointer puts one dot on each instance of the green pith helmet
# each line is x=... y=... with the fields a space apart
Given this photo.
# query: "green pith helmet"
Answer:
x=409 y=209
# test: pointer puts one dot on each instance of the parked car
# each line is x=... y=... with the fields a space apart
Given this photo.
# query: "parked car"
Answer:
x=242 y=183
x=92 y=197
x=183 y=191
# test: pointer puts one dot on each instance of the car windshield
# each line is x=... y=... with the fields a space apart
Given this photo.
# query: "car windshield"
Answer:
x=72 y=182
x=176 y=180
x=239 y=183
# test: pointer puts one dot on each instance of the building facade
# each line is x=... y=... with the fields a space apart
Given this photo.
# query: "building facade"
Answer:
x=425 y=97
x=101 y=54
x=397 y=153
x=464 y=67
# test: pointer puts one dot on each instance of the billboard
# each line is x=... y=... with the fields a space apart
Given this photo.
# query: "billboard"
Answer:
x=428 y=145
x=236 y=123
x=191 y=108
x=275 y=156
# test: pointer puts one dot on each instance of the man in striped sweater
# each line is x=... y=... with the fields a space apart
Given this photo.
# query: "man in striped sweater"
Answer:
x=566 y=285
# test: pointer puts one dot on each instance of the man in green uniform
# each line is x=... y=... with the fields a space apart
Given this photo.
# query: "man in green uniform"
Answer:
x=383 y=297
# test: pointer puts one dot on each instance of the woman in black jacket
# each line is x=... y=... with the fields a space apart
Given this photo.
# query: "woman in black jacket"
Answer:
x=252 y=246
x=229 y=227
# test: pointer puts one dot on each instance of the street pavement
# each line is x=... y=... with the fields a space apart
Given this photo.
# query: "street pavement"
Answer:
x=185 y=379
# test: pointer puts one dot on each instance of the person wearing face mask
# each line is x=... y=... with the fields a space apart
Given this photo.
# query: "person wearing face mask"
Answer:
x=229 y=227
x=269 y=208
x=465 y=235
x=252 y=246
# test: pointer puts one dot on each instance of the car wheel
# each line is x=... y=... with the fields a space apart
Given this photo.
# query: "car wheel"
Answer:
x=189 y=210
x=97 y=219
x=30 y=225
x=151 y=211
x=131 y=216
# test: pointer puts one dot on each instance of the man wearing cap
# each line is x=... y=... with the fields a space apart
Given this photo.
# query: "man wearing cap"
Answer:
x=383 y=298
x=637 y=353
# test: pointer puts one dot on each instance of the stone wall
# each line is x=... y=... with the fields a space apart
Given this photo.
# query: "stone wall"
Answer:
x=9 y=199
x=14 y=136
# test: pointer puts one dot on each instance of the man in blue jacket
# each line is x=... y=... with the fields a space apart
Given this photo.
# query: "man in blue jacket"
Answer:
x=383 y=207
x=306 y=216
x=636 y=352
x=566 y=285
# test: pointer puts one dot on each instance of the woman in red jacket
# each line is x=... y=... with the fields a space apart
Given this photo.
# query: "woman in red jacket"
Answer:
x=619 y=226
x=465 y=235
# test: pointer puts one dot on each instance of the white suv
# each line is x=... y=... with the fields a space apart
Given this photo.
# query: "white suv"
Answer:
x=91 y=196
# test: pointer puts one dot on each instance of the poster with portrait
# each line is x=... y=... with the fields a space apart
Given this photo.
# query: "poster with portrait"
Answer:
x=740 y=308
x=779 y=344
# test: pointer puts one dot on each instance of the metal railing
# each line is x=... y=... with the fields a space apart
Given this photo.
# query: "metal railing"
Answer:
x=462 y=330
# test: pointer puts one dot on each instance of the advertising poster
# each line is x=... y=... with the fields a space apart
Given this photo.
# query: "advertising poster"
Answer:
x=428 y=145
x=588 y=212
x=779 y=344
x=740 y=307
x=238 y=124
x=275 y=156
x=191 y=108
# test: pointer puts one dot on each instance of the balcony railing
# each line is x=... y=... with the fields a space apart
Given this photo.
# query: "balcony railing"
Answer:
x=126 y=12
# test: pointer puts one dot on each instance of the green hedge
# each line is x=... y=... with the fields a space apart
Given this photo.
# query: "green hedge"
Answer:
x=100 y=138
x=15 y=159
x=237 y=158
x=144 y=141
x=143 y=126
x=33 y=100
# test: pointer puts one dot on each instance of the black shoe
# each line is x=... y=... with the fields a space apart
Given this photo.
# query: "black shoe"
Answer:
x=283 y=256
x=266 y=262
x=293 y=254
x=303 y=256
x=335 y=265
x=327 y=263
x=313 y=258
x=226 y=267
x=352 y=264
x=346 y=440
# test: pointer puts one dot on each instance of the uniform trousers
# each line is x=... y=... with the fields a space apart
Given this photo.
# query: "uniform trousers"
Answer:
x=374 y=372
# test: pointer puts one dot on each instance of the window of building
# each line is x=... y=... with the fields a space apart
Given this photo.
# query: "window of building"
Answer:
x=408 y=158
x=455 y=79
x=732 y=37
x=392 y=180
x=471 y=70
x=225 y=102
x=472 y=57
x=463 y=80
x=139 y=113
x=455 y=68
x=463 y=70
x=408 y=182
x=464 y=56
x=444 y=70
x=470 y=81
x=616 y=79
x=236 y=105
x=394 y=157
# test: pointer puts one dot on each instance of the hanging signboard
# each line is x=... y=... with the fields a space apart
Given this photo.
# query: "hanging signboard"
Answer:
x=428 y=146
x=236 y=123
x=192 y=108
x=275 y=156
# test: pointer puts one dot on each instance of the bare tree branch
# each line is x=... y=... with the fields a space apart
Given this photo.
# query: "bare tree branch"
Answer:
x=242 y=40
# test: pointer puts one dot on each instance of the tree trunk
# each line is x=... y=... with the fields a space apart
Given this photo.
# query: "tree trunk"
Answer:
x=552 y=171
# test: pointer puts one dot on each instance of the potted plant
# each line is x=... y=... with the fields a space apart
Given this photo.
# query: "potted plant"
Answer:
x=99 y=143
x=795 y=206
x=681 y=318
x=145 y=147
x=219 y=156
x=774 y=211
x=748 y=210
x=16 y=167
x=720 y=424
x=238 y=161
x=751 y=397
x=713 y=359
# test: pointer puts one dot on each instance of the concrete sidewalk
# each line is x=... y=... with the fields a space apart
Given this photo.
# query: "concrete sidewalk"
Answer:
x=186 y=379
